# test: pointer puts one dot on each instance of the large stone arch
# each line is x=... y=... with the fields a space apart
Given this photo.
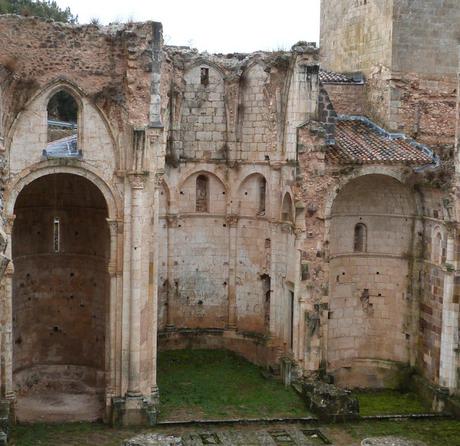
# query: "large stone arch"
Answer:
x=16 y=184
x=367 y=339
x=110 y=222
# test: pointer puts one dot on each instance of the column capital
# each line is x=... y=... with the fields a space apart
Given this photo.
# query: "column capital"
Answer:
x=137 y=179
x=232 y=219
x=159 y=179
x=114 y=224
x=172 y=220
x=9 y=222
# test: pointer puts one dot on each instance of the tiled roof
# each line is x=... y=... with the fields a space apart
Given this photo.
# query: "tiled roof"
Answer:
x=329 y=77
x=359 y=140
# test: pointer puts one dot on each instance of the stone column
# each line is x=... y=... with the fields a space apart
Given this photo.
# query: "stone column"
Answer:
x=153 y=282
x=232 y=223
x=6 y=366
x=137 y=201
x=449 y=327
x=171 y=221
x=112 y=326
x=6 y=317
x=298 y=327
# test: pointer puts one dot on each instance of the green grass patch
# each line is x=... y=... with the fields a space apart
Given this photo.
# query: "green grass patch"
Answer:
x=387 y=402
x=432 y=432
x=45 y=434
x=215 y=384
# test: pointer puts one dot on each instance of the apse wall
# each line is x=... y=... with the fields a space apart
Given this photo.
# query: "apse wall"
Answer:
x=60 y=285
x=371 y=237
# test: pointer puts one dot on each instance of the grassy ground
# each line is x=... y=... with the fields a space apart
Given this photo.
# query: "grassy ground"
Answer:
x=387 y=402
x=432 y=432
x=212 y=384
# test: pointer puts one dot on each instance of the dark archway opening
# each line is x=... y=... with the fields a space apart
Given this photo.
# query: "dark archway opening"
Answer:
x=60 y=297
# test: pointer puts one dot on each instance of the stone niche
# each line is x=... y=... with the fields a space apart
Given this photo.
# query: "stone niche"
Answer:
x=60 y=249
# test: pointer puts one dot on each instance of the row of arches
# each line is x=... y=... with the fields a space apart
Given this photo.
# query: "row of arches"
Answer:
x=204 y=192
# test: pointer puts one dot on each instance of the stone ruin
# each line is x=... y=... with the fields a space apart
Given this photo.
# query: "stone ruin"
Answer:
x=294 y=204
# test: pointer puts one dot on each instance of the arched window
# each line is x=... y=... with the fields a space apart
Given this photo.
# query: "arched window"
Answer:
x=62 y=126
x=360 y=238
x=262 y=195
x=436 y=247
x=202 y=193
x=286 y=213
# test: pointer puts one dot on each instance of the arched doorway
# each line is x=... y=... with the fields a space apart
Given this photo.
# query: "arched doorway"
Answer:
x=60 y=250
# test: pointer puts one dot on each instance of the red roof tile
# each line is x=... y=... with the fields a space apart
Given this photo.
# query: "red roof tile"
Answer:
x=330 y=77
x=358 y=140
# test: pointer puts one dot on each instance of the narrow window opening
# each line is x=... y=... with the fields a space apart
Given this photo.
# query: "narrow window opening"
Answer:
x=62 y=126
x=360 y=238
x=204 y=75
x=56 y=234
x=202 y=193
x=262 y=196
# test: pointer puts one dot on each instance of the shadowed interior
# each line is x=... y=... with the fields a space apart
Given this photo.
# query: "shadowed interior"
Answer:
x=60 y=286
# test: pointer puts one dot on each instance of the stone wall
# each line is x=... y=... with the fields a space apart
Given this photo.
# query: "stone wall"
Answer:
x=228 y=252
x=356 y=35
x=348 y=99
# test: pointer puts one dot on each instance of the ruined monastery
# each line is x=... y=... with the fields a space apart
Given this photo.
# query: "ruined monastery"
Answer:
x=300 y=208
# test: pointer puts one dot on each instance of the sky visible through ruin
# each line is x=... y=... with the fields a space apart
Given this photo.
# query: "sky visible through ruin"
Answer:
x=214 y=26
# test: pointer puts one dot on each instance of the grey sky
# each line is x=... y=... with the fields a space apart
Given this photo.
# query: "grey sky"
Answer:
x=214 y=26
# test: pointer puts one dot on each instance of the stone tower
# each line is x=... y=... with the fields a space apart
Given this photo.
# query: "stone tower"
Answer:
x=408 y=53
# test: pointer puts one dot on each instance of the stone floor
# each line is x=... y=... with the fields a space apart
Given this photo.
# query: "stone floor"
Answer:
x=58 y=407
x=288 y=436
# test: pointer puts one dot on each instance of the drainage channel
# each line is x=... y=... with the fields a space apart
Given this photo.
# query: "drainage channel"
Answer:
x=303 y=420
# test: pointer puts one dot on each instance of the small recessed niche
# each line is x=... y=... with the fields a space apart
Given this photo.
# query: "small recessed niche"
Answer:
x=204 y=75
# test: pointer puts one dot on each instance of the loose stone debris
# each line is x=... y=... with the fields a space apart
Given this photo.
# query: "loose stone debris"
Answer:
x=390 y=441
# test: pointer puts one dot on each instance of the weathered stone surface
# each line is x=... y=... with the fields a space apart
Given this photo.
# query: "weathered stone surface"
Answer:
x=390 y=441
x=330 y=402
x=154 y=440
x=205 y=210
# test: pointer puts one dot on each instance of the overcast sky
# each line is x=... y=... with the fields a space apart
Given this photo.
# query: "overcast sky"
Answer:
x=214 y=26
